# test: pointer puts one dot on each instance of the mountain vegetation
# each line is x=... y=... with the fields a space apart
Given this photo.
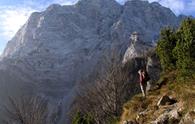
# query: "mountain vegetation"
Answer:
x=26 y=110
x=176 y=85
x=176 y=48
x=57 y=50
x=103 y=98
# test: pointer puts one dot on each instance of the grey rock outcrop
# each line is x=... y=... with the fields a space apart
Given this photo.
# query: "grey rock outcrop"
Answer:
x=137 y=49
x=167 y=117
x=58 y=47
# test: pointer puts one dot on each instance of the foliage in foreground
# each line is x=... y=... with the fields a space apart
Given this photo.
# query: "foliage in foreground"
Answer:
x=83 y=119
x=165 y=47
x=176 y=48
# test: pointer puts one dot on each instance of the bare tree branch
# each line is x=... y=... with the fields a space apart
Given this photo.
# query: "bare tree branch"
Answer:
x=104 y=97
x=26 y=110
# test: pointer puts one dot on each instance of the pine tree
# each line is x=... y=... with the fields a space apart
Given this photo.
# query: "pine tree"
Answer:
x=184 y=50
x=165 y=46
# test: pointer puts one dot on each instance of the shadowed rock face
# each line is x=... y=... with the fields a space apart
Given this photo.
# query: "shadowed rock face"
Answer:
x=59 y=46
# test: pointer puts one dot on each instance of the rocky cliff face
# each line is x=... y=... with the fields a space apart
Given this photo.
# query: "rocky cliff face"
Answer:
x=59 y=46
x=137 y=49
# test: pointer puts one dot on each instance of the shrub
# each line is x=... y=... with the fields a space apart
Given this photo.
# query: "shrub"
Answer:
x=176 y=48
x=83 y=119
x=184 y=50
x=165 y=46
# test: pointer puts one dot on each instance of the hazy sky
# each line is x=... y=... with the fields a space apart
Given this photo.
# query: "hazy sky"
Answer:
x=14 y=13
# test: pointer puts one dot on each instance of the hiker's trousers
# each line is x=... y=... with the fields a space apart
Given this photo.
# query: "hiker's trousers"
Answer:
x=143 y=88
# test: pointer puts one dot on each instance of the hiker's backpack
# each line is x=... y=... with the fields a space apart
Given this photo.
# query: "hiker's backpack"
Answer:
x=147 y=77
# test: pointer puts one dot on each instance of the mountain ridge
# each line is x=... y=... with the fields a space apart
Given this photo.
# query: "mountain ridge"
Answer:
x=58 y=47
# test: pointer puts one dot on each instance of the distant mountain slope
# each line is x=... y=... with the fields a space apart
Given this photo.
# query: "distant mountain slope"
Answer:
x=58 y=47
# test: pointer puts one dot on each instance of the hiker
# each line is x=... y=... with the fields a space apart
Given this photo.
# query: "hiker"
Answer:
x=147 y=80
x=143 y=79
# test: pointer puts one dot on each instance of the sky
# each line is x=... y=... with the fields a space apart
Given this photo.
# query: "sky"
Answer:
x=14 y=13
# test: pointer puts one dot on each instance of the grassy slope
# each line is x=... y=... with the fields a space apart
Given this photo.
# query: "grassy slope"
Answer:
x=182 y=91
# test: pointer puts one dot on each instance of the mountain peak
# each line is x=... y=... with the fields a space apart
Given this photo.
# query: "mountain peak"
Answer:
x=95 y=1
x=58 y=47
x=136 y=2
x=53 y=6
x=155 y=4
